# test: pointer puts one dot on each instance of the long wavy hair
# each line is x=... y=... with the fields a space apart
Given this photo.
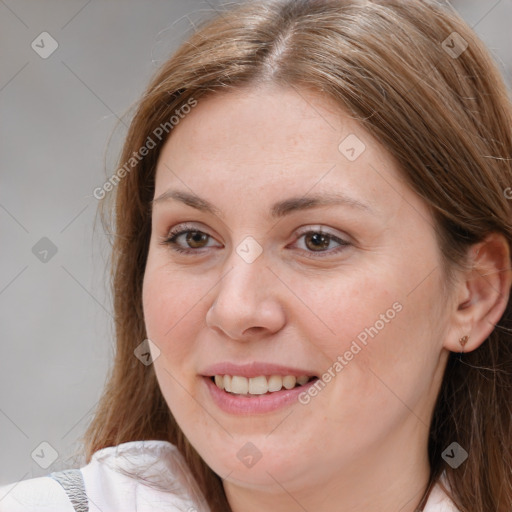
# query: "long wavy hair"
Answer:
x=439 y=107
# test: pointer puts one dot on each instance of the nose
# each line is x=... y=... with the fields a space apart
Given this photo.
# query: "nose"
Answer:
x=247 y=302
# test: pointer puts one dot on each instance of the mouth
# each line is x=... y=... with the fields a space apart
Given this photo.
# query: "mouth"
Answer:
x=259 y=385
x=239 y=395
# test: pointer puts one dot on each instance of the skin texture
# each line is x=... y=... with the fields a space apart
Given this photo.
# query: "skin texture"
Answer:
x=361 y=443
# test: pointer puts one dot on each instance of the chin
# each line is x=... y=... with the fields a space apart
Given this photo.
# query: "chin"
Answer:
x=257 y=461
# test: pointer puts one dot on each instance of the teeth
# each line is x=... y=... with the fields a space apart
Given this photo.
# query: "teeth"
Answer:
x=302 y=380
x=289 y=381
x=227 y=382
x=239 y=385
x=275 y=383
x=219 y=380
x=258 y=385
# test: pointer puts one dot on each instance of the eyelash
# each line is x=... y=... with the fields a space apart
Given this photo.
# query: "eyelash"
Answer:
x=182 y=229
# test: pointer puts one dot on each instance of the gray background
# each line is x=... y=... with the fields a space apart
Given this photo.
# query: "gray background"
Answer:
x=56 y=117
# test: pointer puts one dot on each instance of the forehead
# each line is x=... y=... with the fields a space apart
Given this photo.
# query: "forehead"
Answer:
x=261 y=123
x=268 y=141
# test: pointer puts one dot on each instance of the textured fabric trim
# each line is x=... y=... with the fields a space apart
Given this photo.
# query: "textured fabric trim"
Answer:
x=72 y=482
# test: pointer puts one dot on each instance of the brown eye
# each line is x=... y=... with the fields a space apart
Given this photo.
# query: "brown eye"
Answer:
x=196 y=239
x=190 y=241
x=317 y=241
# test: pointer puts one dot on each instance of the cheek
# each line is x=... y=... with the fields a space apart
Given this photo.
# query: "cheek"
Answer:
x=377 y=327
x=174 y=310
x=344 y=309
x=173 y=314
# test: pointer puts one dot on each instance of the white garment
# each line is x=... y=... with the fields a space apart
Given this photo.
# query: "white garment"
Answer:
x=108 y=490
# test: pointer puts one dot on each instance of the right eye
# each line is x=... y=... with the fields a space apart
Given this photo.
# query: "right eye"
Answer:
x=188 y=240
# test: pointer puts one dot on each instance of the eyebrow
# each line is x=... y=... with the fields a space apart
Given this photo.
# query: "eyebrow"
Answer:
x=278 y=210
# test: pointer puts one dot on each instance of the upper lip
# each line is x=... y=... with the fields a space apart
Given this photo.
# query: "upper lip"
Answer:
x=254 y=369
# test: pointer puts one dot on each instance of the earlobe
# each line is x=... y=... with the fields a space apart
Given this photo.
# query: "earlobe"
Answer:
x=463 y=342
x=485 y=292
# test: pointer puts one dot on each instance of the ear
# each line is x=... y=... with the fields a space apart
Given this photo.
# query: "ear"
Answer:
x=482 y=294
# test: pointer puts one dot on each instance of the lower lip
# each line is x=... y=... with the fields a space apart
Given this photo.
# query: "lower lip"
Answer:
x=256 y=404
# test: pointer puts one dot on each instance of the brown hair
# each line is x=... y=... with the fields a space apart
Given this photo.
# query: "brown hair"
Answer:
x=447 y=120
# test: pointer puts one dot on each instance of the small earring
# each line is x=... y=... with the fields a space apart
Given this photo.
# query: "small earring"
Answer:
x=463 y=342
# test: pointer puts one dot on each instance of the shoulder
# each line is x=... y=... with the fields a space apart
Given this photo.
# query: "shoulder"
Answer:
x=34 y=495
x=144 y=475
x=138 y=475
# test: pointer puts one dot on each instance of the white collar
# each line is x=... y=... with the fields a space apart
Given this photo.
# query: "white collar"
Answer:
x=164 y=461
x=439 y=501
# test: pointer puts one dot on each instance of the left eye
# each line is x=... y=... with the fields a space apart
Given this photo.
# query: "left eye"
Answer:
x=319 y=241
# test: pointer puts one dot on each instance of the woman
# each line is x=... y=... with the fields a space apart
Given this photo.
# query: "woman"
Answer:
x=311 y=273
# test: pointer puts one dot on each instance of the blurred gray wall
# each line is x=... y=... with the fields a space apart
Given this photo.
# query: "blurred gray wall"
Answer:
x=57 y=111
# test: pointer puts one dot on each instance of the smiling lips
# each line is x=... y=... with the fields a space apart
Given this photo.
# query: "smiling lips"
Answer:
x=254 y=395
x=259 y=385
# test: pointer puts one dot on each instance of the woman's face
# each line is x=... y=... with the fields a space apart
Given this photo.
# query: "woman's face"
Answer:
x=295 y=250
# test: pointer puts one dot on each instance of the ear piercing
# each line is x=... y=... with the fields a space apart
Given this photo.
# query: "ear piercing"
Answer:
x=463 y=342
